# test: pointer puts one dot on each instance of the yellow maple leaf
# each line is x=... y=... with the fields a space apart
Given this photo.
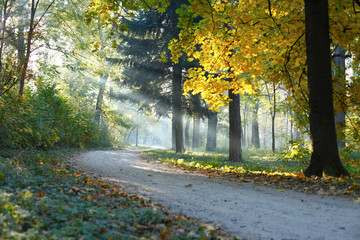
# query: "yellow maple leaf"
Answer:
x=27 y=194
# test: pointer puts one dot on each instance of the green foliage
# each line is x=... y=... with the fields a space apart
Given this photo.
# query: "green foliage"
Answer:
x=44 y=119
x=42 y=198
x=298 y=151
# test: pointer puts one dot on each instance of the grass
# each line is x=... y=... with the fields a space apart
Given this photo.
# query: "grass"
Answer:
x=263 y=161
x=264 y=167
x=43 y=198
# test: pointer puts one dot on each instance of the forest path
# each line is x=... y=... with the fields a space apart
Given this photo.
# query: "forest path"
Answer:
x=245 y=210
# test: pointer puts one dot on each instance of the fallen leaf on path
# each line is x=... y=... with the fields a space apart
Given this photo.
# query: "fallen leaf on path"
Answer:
x=75 y=189
x=91 y=197
x=40 y=194
x=209 y=227
x=321 y=192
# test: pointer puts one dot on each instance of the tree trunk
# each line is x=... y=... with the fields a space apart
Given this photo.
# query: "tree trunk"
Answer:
x=187 y=138
x=3 y=22
x=325 y=156
x=21 y=49
x=103 y=81
x=28 y=50
x=244 y=133
x=272 y=102
x=291 y=126
x=273 y=118
x=177 y=92
x=100 y=97
x=273 y=132
x=173 y=134
x=255 y=138
x=32 y=26
x=339 y=62
x=234 y=128
x=265 y=131
x=176 y=81
x=196 y=133
x=211 y=133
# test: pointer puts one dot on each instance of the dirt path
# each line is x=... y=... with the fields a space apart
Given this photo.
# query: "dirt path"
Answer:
x=243 y=209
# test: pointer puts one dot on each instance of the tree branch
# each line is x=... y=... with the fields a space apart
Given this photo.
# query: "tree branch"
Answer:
x=42 y=16
x=354 y=7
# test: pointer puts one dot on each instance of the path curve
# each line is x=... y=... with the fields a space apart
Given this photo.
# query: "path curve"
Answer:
x=246 y=210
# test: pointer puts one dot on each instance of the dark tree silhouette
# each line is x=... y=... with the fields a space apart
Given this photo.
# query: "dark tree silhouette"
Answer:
x=325 y=156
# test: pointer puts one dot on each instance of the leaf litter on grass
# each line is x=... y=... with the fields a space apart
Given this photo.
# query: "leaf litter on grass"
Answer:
x=43 y=198
x=271 y=172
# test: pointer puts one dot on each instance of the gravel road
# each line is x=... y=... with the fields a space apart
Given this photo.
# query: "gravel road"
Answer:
x=245 y=210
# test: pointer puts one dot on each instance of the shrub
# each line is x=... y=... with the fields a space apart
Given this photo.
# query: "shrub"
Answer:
x=297 y=150
x=44 y=119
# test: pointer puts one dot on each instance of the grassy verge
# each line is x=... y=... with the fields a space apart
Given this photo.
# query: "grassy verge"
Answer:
x=264 y=168
x=42 y=198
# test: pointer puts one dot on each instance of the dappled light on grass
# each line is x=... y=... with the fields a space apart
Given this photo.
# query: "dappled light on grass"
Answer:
x=270 y=170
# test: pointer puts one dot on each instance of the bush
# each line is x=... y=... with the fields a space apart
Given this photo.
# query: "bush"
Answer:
x=44 y=119
x=298 y=151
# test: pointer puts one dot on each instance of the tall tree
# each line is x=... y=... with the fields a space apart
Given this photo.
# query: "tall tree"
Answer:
x=235 y=152
x=140 y=48
x=186 y=133
x=7 y=81
x=177 y=67
x=255 y=137
x=196 y=133
x=325 y=156
x=33 y=24
x=273 y=108
x=340 y=92
x=19 y=31
x=103 y=78
x=176 y=107
x=211 y=131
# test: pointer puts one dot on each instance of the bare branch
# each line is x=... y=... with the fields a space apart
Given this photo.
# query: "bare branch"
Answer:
x=46 y=10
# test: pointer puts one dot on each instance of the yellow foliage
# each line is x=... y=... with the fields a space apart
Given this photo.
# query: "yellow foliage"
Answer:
x=27 y=194
x=241 y=43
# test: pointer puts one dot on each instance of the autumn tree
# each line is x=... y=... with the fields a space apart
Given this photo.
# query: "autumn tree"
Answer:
x=143 y=43
x=325 y=156
x=235 y=151
x=271 y=95
x=20 y=22
x=258 y=40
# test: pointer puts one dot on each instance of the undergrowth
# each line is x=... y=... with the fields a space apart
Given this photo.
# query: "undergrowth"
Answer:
x=42 y=198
